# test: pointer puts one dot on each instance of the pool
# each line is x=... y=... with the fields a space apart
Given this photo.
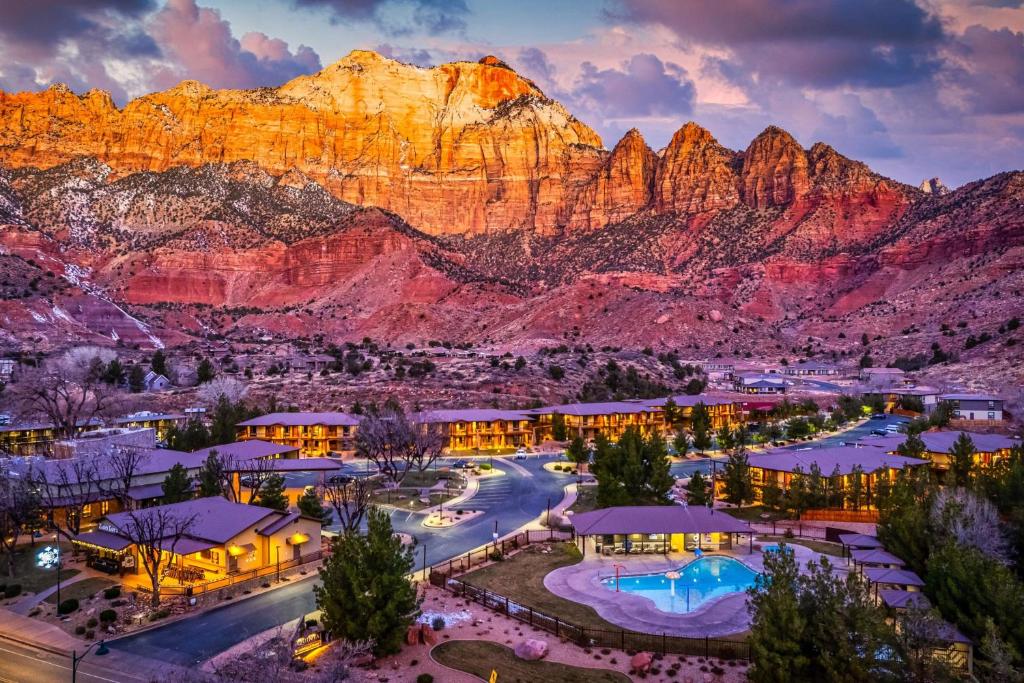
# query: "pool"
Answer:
x=704 y=579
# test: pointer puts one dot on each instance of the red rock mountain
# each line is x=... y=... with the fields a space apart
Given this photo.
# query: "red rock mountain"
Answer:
x=378 y=198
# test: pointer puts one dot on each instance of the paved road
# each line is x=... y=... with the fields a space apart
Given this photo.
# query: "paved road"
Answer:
x=20 y=664
x=513 y=500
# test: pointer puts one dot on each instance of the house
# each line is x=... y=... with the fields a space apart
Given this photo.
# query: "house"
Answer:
x=223 y=539
x=722 y=410
x=587 y=420
x=839 y=465
x=476 y=429
x=988 y=448
x=897 y=397
x=161 y=423
x=155 y=382
x=657 y=528
x=716 y=369
x=35 y=438
x=811 y=369
x=951 y=645
x=7 y=366
x=312 y=363
x=314 y=434
x=758 y=383
x=96 y=442
x=976 y=408
x=881 y=376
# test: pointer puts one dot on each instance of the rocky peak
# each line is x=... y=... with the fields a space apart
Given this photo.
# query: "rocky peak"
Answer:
x=934 y=186
x=695 y=173
x=775 y=170
x=621 y=187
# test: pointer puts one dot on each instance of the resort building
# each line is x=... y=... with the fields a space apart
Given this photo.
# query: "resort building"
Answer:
x=481 y=429
x=716 y=369
x=99 y=441
x=723 y=411
x=811 y=369
x=758 y=383
x=160 y=423
x=587 y=420
x=658 y=529
x=313 y=434
x=881 y=376
x=894 y=398
x=34 y=438
x=975 y=408
x=223 y=538
x=838 y=464
x=988 y=448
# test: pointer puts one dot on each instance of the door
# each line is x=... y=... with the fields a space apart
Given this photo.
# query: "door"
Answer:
x=296 y=552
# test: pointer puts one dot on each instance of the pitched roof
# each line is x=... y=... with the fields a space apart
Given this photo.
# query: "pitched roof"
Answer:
x=656 y=519
x=875 y=556
x=860 y=541
x=248 y=450
x=942 y=442
x=605 y=408
x=332 y=419
x=968 y=397
x=216 y=519
x=686 y=401
x=899 y=577
x=900 y=599
x=279 y=523
x=842 y=458
x=471 y=415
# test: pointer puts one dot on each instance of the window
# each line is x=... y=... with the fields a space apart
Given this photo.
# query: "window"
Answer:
x=991 y=415
x=104 y=507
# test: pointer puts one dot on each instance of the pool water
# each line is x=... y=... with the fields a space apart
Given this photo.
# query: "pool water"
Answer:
x=704 y=579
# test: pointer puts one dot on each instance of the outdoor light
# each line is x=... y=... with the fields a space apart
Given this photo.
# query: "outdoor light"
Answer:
x=48 y=557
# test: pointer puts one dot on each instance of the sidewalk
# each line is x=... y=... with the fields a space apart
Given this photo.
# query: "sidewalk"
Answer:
x=25 y=605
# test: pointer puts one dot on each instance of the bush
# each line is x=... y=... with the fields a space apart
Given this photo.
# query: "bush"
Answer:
x=424 y=678
x=112 y=592
x=485 y=466
x=79 y=630
x=496 y=556
x=108 y=615
x=12 y=591
x=89 y=635
x=93 y=621
x=437 y=623
x=162 y=613
x=68 y=606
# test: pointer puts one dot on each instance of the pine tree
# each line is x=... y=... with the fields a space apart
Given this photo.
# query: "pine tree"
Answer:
x=158 y=364
x=364 y=591
x=634 y=471
x=114 y=372
x=272 y=494
x=177 y=486
x=697 y=490
x=671 y=412
x=558 y=430
x=136 y=378
x=738 y=487
x=701 y=427
x=681 y=442
x=192 y=438
x=725 y=438
x=912 y=447
x=961 y=457
x=205 y=371
x=578 y=452
x=310 y=505
x=778 y=626
x=211 y=477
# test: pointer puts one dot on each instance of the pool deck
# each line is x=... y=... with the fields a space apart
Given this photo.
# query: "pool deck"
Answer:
x=719 y=617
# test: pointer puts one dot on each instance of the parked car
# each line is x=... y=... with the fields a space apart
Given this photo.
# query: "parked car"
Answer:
x=878 y=416
x=340 y=479
x=879 y=432
x=461 y=464
x=248 y=482
x=520 y=453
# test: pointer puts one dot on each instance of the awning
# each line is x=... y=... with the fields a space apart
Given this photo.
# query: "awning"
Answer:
x=298 y=539
x=238 y=550
x=146 y=492
x=103 y=539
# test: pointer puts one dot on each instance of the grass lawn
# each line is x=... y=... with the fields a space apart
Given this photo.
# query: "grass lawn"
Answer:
x=411 y=500
x=823 y=547
x=32 y=578
x=480 y=657
x=586 y=499
x=751 y=513
x=81 y=589
x=521 y=577
x=428 y=478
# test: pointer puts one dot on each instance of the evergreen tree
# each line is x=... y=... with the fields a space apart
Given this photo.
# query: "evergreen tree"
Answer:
x=114 y=372
x=697 y=492
x=671 y=412
x=725 y=438
x=578 y=452
x=738 y=487
x=310 y=505
x=961 y=458
x=912 y=447
x=701 y=427
x=272 y=494
x=778 y=626
x=158 y=364
x=193 y=437
x=177 y=486
x=205 y=371
x=136 y=378
x=224 y=418
x=634 y=471
x=681 y=442
x=211 y=477
x=364 y=591
x=773 y=498
x=558 y=430
x=855 y=491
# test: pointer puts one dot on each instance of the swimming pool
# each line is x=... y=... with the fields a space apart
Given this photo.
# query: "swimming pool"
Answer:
x=704 y=579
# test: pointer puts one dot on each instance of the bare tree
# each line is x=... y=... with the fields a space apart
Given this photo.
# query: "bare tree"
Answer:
x=70 y=391
x=19 y=512
x=397 y=444
x=272 y=663
x=349 y=497
x=253 y=474
x=155 y=532
x=121 y=467
x=231 y=388
x=69 y=486
x=921 y=634
x=970 y=521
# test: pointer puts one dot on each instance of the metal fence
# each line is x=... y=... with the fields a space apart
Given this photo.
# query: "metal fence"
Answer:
x=463 y=563
x=585 y=636
x=242 y=580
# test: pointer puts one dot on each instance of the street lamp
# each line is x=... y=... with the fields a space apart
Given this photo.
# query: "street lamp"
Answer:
x=49 y=558
x=495 y=535
x=76 y=660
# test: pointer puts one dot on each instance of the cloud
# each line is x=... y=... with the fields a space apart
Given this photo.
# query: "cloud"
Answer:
x=990 y=70
x=396 y=17
x=644 y=86
x=818 y=43
x=417 y=56
x=204 y=48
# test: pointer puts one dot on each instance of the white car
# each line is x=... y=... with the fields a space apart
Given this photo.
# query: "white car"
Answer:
x=520 y=453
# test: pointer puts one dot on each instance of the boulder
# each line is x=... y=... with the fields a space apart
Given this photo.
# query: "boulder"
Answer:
x=641 y=662
x=532 y=649
x=715 y=315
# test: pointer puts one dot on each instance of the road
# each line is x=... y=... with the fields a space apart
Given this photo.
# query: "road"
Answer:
x=512 y=500
x=20 y=663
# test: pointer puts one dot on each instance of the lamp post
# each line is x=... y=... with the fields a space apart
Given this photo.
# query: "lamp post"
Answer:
x=495 y=535
x=425 y=576
x=101 y=650
x=618 y=568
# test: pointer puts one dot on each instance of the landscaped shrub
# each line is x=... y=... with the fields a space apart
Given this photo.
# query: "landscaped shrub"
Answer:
x=485 y=466
x=68 y=606
x=496 y=556
x=112 y=592
x=92 y=622
x=162 y=613
x=424 y=678
x=89 y=635
x=12 y=591
x=108 y=615
x=437 y=623
x=79 y=630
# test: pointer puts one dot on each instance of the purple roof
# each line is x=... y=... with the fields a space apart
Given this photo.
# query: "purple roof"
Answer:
x=186 y=545
x=279 y=523
x=875 y=556
x=585 y=409
x=845 y=458
x=290 y=465
x=860 y=541
x=471 y=415
x=104 y=539
x=216 y=519
x=687 y=401
x=942 y=442
x=335 y=419
x=146 y=492
x=899 y=599
x=898 y=577
x=969 y=397
x=248 y=450
x=656 y=519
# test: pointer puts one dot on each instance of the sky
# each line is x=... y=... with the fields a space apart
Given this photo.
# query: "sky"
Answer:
x=915 y=88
